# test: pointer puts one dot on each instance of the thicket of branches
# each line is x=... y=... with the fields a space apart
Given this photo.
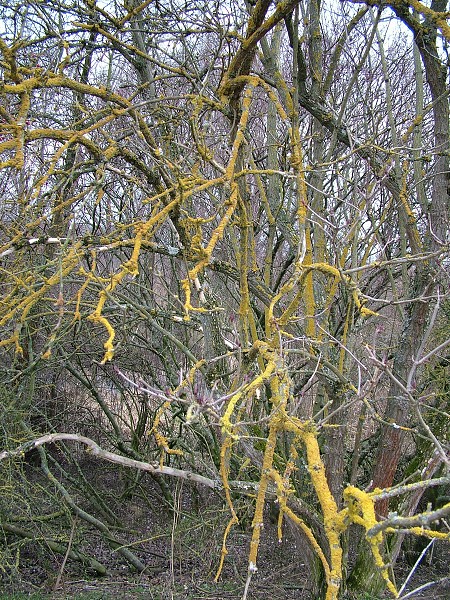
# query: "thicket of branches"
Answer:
x=224 y=257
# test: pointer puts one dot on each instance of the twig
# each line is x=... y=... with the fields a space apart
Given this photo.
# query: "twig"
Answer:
x=416 y=564
x=410 y=487
x=66 y=556
x=247 y=585
x=419 y=358
x=418 y=520
x=407 y=390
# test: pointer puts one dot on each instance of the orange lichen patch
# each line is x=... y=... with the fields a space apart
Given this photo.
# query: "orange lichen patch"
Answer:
x=227 y=425
x=245 y=312
x=68 y=264
x=304 y=252
x=9 y=55
x=279 y=397
x=132 y=12
x=89 y=276
x=334 y=521
x=160 y=439
x=310 y=536
x=14 y=339
x=129 y=267
x=361 y=510
x=304 y=432
x=309 y=299
x=429 y=533
x=98 y=318
x=224 y=469
x=229 y=205
x=52 y=80
x=257 y=523
x=333 y=285
x=330 y=270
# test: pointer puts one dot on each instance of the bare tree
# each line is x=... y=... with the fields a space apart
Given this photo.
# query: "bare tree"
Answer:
x=226 y=224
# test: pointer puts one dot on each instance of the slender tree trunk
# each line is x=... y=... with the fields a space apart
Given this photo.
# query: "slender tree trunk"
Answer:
x=365 y=575
x=397 y=410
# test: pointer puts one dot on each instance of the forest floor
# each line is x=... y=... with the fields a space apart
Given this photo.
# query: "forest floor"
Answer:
x=182 y=549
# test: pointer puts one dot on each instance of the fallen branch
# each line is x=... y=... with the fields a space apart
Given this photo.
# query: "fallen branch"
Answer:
x=94 y=449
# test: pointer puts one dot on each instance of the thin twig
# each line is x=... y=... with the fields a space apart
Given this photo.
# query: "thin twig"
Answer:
x=66 y=556
x=416 y=564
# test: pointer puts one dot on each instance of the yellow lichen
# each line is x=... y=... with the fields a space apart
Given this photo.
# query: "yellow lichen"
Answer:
x=361 y=510
x=160 y=439
x=224 y=468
